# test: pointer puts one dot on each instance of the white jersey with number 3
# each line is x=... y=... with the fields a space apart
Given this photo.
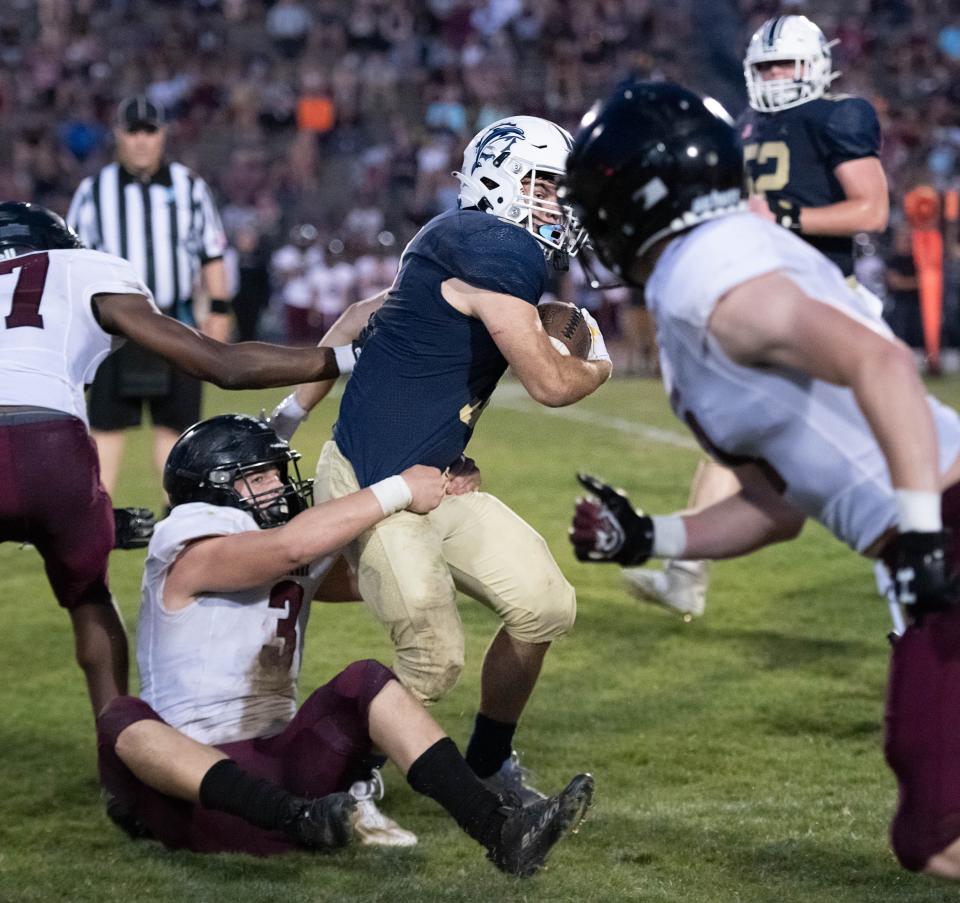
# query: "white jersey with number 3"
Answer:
x=812 y=433
x=225 y=667
x=50 y=342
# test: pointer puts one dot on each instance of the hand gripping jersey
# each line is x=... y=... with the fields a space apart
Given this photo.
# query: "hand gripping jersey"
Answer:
x=792 y=154
x=50 y=342
x=225 y=668
x=811 y=433
x=427 y=370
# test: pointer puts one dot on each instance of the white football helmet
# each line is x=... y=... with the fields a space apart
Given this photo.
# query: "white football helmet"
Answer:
x=788 y=38
x=498 y=160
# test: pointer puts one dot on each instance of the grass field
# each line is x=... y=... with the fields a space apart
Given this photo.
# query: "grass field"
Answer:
x=737 y=758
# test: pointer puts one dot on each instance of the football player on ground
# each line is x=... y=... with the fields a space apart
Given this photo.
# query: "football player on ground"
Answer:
x=787 y=374
x=463 y=309
x=64 y=309
x=811 y=165
x=215 y=756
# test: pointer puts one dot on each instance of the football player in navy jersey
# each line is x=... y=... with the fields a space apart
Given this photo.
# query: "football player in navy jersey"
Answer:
x=811 y=165
x=461 y=310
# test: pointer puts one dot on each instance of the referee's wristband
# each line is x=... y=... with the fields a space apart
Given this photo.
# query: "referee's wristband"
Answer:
x=220 y=306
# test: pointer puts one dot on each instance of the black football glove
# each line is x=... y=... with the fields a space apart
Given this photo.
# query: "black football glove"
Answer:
x=786 y=213
x=922 y=579
x=133 y=527
x=607 y=528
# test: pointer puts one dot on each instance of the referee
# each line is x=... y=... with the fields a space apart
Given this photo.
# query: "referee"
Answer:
x=161 y=217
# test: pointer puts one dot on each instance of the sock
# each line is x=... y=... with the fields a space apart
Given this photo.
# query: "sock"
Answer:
x=226 y=787
x=490 y=746
x=443 y=775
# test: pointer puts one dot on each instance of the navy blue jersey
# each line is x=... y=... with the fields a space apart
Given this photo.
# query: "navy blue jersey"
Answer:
x=426 y=370
x=792 y=155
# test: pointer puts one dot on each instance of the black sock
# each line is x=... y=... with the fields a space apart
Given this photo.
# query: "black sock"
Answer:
x=226 y=787
x=442 y=774
x=490 y=746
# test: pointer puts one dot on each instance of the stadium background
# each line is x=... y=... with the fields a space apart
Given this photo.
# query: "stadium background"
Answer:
x=738 y=757
x=351 y=116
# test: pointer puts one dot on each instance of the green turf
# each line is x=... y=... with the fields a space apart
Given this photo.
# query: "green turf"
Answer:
x=737 y=758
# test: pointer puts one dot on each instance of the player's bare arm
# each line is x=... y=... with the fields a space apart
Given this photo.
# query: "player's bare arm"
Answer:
x=770 y=321
x=756 y=516
x=867 y=204
x=245 y=560
x=246 y=365
x=551 y=378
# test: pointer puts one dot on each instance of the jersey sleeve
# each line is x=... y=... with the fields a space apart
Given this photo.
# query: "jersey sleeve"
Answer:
x=500 y=258
x=104 y=274
x=852 y=131
x=213 y=239
x=714 y=259
x=193 y=521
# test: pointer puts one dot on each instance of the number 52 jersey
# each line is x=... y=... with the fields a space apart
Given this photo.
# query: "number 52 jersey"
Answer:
x=50 y=341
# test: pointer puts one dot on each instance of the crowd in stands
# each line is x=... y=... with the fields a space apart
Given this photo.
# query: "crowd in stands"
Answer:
x=350 y=117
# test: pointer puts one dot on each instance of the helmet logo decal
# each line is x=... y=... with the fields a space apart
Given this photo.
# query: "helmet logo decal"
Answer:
x=652 y=193
x=489 y=145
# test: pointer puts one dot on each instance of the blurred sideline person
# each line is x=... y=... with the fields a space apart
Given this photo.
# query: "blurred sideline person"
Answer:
x=812 y=165
x=64 y=309
x=790 y=376
x=461 y=310
x=161 y=217
x=215 y=756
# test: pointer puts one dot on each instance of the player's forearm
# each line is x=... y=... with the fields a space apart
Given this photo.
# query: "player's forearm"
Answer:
x=257 y=365
x=893 y=400
x=846 y=217
x=564 y=380
x=739 y=525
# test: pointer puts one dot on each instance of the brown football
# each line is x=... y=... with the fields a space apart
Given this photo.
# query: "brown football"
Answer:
x=564 y=321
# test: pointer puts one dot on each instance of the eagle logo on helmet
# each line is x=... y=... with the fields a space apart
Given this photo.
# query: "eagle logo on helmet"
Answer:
x=488 y=147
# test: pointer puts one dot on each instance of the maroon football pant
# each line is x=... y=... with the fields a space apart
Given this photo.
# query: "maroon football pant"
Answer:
x=923 y=723
x=322 y=750
x=51 y=496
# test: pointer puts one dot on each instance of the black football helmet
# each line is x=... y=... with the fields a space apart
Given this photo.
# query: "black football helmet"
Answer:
x=27 y=227
x=213 y=454
x=652 y=160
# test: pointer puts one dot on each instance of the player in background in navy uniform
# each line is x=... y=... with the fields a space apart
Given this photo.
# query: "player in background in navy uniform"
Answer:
x=811 y=165
x=463 y=309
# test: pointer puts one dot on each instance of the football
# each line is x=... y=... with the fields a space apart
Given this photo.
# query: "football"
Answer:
x=564 y=322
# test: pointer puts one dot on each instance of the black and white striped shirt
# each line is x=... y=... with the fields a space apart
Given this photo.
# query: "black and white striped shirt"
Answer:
x=167 y=227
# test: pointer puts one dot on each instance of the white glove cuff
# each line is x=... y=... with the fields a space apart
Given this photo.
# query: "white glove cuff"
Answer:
x=346 y=359
x=669 y=536
x=918 y=511
x=393 y=494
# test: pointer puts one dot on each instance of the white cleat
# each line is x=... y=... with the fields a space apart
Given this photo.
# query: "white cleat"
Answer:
x=681 y=586
x=371 y=826
x=511 y=779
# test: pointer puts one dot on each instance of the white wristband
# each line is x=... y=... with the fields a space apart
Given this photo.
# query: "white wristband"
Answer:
x=292 y=408
x=918 y=511
x=346 y=358
x=669 y=536
x=393 y=494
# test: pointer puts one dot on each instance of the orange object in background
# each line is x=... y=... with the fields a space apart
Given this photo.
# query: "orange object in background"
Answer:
x=315 y=113
x=922 y=207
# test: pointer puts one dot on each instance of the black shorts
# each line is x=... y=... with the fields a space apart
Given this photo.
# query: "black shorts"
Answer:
x=132 y=377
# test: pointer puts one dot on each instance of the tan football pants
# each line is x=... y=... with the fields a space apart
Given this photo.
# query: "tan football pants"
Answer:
x=409 y=567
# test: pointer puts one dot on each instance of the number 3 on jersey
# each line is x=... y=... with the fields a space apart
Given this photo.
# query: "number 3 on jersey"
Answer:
x=286 y=595
x=767 y=166
x=25 y=292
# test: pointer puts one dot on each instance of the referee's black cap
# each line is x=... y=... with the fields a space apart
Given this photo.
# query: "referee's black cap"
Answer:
x=139 y=113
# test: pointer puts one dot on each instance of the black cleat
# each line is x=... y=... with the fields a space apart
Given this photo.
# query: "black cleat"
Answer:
x=125 y=817
x=530 y=832
x=323 y=824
